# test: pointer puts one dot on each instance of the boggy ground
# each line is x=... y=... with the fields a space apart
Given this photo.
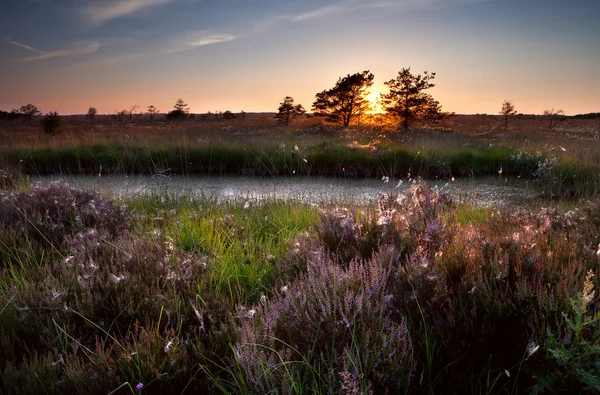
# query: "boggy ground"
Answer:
x=414 y=295
x=563 y=158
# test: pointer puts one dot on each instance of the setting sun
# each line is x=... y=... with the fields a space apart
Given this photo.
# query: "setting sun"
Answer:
x=374 y=98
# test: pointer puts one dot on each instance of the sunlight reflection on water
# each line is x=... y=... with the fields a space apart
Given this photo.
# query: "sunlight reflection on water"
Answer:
x=483 y=191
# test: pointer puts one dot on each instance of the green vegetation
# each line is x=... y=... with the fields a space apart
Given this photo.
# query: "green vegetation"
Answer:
x=419 y=294
x=178 y=294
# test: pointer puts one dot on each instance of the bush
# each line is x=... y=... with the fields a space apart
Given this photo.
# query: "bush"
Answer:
x=52 y=124
x=177 y=114
x=328 y=330
x=46 y=217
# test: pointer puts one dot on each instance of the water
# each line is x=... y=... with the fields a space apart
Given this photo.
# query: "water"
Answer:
x=491 y=192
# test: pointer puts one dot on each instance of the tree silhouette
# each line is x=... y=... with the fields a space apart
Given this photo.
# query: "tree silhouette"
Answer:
x=406 y=98
x=287 y=111
x=29 y=110
x=553 y=115
x=51 y=123
x=346 y=99
x=91 y=113
x=508 y=110
x=152 y=111
x=181 y=110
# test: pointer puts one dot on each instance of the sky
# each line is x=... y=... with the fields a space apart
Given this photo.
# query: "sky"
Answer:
x=218 y=55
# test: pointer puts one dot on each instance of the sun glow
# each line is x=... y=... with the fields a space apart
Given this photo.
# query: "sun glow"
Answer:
x=374 y=99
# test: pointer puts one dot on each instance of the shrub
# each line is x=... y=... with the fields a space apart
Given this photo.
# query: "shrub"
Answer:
x=51 y=214
x=52 y=124
x=330 y=325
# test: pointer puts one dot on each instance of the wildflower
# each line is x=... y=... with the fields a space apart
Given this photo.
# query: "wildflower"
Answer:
x=68 y=259
x=400 y=182
x=284 y=289
x=168 y=345
x=117 y=279
x=54 y=294
x=263 y=300
x=588 y=290
x=385 y=179
x=532 y=348
x=250 y=313
x=246 y=205
x=500 y=171
x=60 y=360
x=139 y=387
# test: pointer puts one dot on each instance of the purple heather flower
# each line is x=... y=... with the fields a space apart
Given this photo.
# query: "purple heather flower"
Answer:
x=139 y=387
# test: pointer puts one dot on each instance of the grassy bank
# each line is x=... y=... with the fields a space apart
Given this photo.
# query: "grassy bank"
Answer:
x=173 y=295
x=564 y=160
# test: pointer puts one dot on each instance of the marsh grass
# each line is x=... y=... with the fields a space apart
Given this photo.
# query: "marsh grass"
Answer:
x=466 y=146
x=184 y=294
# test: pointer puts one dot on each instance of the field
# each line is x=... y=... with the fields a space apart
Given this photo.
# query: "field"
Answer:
x=415 y=294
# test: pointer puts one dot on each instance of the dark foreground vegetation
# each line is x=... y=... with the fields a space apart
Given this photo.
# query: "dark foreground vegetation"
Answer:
x=415 y=295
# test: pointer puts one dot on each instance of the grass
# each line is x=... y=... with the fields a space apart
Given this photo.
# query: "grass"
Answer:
x=186 y=294
x=170 y=293
x=564 y=158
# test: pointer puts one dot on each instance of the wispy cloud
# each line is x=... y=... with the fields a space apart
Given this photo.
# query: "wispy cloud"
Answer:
x=78 y=49
x=171 y=46
x=25 y=46
x=325 y=10
x=354 y=5
x=210 y=38
x=106 y=11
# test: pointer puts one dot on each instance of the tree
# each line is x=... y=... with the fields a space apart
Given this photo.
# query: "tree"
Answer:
x=132 y=109
x=347 y=99
x=508 y=110
x=181 y=110
x=51 y=123
x=91 y=113
x=228 y=115
x=152 y=111
x=552 y=116
x=287 y=111
x=29 y=110
x=408 y=102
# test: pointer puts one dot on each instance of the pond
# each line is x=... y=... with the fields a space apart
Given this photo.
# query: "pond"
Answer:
x=489 y=192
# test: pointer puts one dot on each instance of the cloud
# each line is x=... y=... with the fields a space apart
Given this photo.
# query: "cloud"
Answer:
x=324 y=11
x=100 y=13
x=207 y=39
x=82 y=49
x=174 y=45
x=25 y=46
x=354 y=5
x=79 y=49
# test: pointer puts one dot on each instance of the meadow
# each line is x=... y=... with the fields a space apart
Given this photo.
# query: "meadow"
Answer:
x=415 y=294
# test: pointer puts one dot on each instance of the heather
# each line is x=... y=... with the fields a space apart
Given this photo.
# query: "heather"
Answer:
x=415 y=294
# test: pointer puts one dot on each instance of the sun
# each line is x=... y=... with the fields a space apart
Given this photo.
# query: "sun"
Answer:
x=374 y=98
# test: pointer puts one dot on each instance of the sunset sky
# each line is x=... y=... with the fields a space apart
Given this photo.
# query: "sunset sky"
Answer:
x=68 y=55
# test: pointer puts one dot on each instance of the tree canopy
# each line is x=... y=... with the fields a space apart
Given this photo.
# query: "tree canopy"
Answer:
x=406 y=98
x=181 y=110
x=507 y=111
x=288 y=111
x=29 y=110
x=346 y=100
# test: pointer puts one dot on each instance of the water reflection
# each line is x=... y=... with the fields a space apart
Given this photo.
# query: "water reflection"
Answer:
x=483 y=191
